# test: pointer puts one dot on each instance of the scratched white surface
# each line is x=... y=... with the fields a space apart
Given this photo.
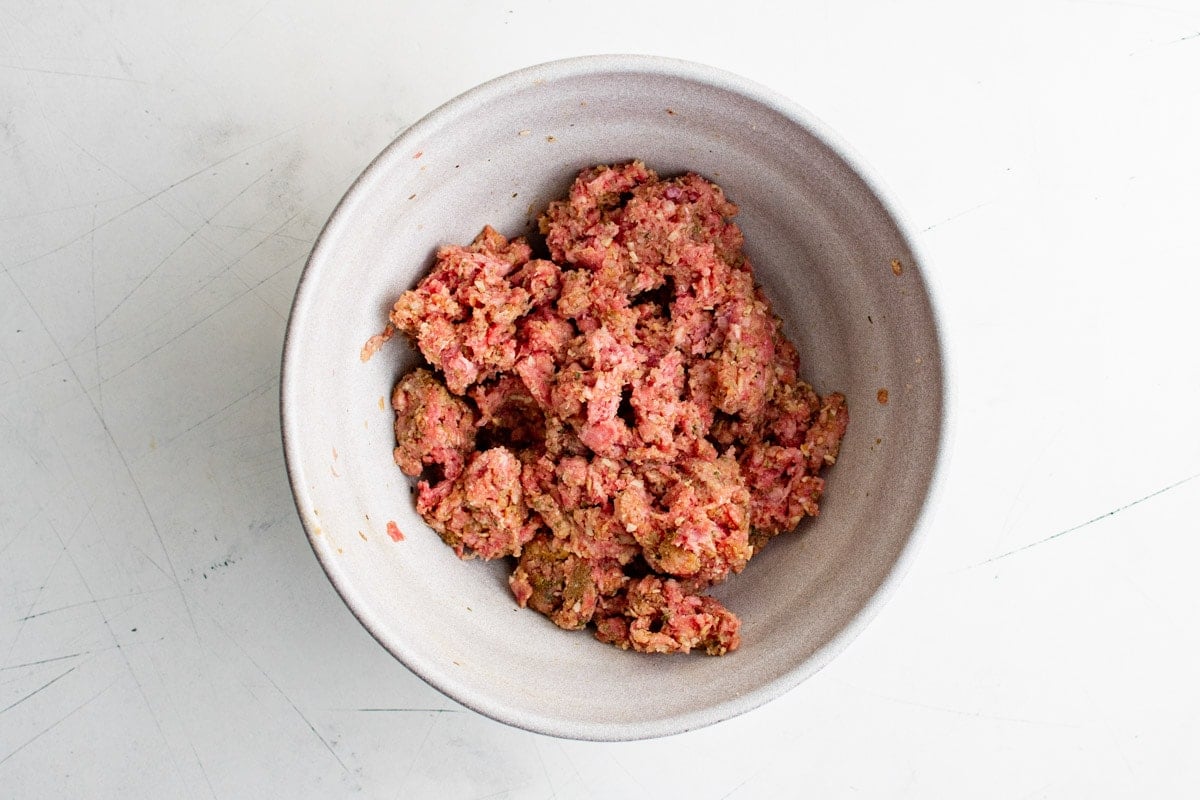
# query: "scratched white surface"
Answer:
x=165 y=630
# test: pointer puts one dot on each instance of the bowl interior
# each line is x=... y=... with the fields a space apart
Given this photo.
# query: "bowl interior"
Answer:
x=822 y=245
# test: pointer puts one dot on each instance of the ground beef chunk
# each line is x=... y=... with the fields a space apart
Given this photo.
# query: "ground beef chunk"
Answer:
x=781 y=490
x=626 y=417
x=507 y=411
x=482 y=512
x=563 y=585
x=655 y=615
x=463 y=314
x=432 y=426
x=692 y=521
x=824 y=439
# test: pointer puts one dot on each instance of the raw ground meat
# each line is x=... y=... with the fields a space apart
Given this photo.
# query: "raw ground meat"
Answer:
x=626 y=418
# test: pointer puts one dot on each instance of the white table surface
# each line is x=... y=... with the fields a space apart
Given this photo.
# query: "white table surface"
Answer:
x=165 y=630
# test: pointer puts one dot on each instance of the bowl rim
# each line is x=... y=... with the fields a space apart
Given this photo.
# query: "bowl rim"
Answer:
x=627 y=64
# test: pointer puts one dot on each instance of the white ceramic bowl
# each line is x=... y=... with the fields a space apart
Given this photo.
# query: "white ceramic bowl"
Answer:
x=822 y=240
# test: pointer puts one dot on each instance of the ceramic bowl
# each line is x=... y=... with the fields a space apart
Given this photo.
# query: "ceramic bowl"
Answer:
x=823 y=240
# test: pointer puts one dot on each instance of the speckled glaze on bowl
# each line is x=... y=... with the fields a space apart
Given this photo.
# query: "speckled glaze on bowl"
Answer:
x=822 y=241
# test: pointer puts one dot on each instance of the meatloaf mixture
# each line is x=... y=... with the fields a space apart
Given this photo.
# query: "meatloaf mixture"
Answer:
x=624 y=420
